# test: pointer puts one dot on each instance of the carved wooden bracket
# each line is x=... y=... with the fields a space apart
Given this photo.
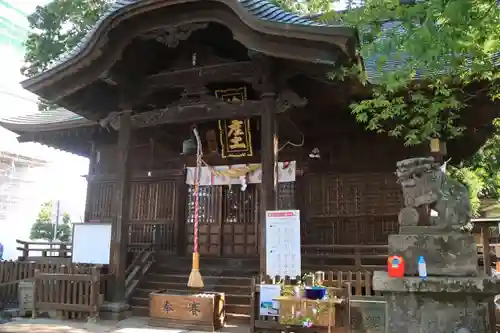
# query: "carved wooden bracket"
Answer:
x=171 y=36
x=196 y=105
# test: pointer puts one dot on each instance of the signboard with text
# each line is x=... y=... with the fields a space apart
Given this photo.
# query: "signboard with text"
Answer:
x=283 y=243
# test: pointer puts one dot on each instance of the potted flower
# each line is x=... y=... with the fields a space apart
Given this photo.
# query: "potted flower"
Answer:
x=314 y=286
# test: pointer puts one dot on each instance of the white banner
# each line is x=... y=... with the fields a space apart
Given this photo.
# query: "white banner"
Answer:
x=286 y=174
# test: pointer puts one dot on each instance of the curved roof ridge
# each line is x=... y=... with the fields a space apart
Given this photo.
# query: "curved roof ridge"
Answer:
x=46 y=117
x=44 y=121
x=261 y=9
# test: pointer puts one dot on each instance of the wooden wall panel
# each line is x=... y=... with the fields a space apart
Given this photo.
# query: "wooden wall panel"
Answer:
x=352 y=208
x=145 y=157
x=153 y=215
x=101 y=201
x=105 y=162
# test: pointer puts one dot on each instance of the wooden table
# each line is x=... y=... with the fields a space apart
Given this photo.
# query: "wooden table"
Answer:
x=290 y=305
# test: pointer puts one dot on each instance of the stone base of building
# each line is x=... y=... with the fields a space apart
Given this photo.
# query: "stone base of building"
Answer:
x=114 y=311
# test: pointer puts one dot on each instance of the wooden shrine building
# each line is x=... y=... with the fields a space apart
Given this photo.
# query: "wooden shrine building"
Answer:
x=252 y=79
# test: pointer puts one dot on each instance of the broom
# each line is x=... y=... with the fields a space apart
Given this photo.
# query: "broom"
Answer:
x=195 y=279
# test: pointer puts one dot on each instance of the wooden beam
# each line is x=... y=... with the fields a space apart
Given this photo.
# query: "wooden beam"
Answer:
x=121 y=208
x=92 y=164
x=196 y=108
x=208 y=108
x=269 y=177
x=201 y=76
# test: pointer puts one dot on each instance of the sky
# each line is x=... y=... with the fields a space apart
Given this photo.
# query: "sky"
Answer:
x=62 y=178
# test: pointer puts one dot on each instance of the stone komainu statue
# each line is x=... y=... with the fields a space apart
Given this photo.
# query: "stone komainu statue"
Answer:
x=426 y=186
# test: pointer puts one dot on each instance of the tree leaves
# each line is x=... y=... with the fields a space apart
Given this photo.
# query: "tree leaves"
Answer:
x=56 y=28
x=439 y=47
x=43 y=228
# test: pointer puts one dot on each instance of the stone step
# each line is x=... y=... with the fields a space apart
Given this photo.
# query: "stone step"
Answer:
x=237 y=319
x=169 y=268
x=207 y=279
x=219 y=287
x=205 y=260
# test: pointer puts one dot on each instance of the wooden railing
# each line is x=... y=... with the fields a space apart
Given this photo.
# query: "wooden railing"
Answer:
x=361 y=257
x=34 y=251
x=360 y=281
x=70 y=295
x=13 y=272
x=137 y=269
x=344 y=257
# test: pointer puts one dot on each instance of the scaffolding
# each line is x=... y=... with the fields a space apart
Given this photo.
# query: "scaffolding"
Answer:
x=15 y=175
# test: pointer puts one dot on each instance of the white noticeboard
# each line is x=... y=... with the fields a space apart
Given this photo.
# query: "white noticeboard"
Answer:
x=283 y=243
x=268 y=305
x=91 y=243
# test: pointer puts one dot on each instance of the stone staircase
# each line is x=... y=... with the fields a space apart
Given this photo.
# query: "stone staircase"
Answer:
x=231 y=276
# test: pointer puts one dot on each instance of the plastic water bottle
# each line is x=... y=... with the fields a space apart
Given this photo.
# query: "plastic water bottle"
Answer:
x=422 y=267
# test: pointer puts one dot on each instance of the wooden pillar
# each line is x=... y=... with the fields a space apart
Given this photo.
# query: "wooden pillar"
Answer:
x=269 y=178
x=90 y=173
x=121 y=208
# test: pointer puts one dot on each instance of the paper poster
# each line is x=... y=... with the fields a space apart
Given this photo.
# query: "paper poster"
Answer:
x=283 y=243
x=269 y=292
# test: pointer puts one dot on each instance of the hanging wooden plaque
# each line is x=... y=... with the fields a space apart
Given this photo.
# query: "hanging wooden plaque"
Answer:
x=235 y=134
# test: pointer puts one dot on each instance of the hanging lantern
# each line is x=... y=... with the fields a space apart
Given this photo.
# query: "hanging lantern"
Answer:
x=435 y=145
x=188 y=147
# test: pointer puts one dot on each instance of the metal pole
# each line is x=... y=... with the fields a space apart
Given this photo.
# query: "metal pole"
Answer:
x=56 y=223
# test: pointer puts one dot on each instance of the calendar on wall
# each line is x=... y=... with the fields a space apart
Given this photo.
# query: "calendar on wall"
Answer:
x=283 y=243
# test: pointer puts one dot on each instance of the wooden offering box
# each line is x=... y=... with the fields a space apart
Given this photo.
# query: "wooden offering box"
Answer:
x=203 y=311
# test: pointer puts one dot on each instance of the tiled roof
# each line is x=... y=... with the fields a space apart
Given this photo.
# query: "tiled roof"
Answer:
x=45 y=120
x=261 y=9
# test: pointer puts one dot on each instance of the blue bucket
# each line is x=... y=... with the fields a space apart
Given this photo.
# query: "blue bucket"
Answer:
x=316 y=292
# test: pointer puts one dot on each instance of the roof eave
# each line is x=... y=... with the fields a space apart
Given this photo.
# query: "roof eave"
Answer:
x=35 y=128
x=90 y=43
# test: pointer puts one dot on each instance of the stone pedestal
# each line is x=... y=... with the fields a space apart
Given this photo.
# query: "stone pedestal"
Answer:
x=452 y=299
x=436 y=304
x=114 y=311
x=447 y=253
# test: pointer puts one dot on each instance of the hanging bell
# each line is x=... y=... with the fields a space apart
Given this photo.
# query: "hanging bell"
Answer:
x=188 y=147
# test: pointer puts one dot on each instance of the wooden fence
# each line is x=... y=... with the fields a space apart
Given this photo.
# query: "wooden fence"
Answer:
x=360 y=281
x=363 y=257
x=36 y=251
x=71 y=296
x=13 y=272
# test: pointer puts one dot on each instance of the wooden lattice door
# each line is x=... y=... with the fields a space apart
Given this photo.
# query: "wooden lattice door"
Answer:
x=240 y=219
x=229 y=219
x=209 y=217
x=153 y=215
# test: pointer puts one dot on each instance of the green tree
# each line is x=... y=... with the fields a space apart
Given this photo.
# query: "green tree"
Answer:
x=446 y=57
x=43 y=228
x=56 y=28
x=306 y=6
